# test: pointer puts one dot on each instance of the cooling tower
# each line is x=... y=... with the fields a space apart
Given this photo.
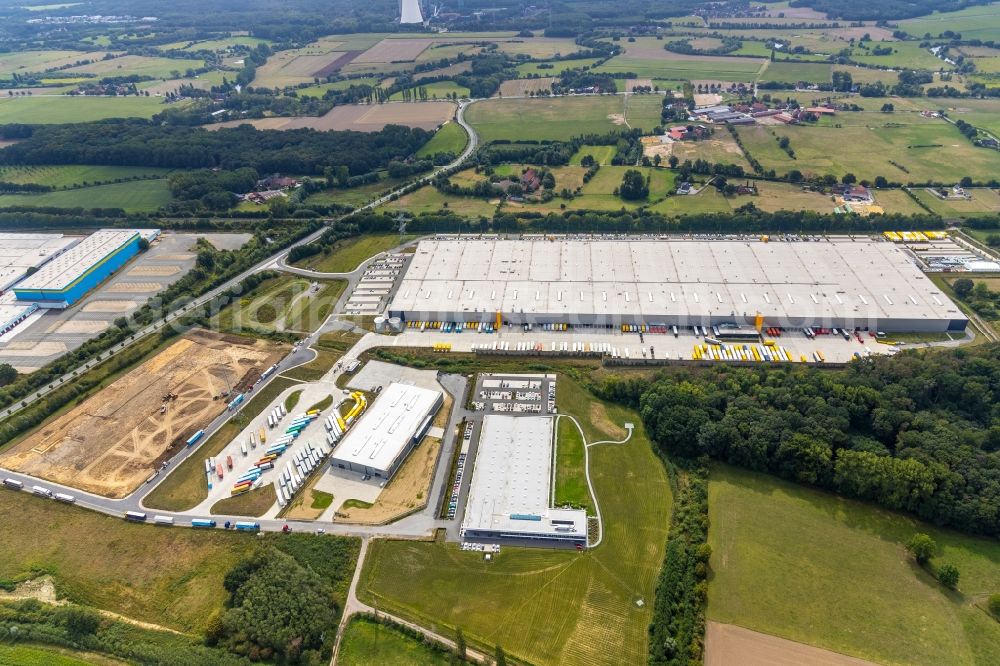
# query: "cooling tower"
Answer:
x=411 y=12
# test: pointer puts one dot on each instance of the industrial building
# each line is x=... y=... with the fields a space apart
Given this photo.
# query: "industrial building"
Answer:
x=382 y=438
x=69 y=276
x=511 y=486
x=836 y=282
x=21 y=254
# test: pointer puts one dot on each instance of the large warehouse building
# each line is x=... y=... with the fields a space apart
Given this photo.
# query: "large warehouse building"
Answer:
x=22 y=253
x=511 y=486
x=382 y=438
x=836 y=283
x=68 y=277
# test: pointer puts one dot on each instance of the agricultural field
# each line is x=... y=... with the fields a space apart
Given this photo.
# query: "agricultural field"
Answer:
x=24 y=62
x=715 y=68
x=793 y=72
x=435 y=90
x=906 y=55
x=983 y=113
x=984 y=202
x=37 y=655
x=80 y=109
x=980 y=22
x=929 y=149
x=223 y=44
x=134 y=65
x=112 y=441
x=201 y=82
x=143 y=196
x=530 y=68
x=358 y=117
x=71 y=175
x=777 y=548
x=451 y=138
x=524 y=87
x=897 y=201
x=721 y=148
x=297 y=66
x=512 y=600
x=539 y=48
x=863 y=75
x=561 y=118
x=367 y=643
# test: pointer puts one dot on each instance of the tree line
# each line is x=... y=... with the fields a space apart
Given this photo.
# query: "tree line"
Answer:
x=914 y=432
x=141 y=143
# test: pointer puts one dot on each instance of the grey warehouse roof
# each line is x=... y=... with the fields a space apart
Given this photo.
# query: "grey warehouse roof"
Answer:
x=843 y=278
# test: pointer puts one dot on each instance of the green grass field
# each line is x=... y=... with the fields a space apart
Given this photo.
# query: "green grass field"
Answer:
x=39 y=655
x=928 y=148
x=601 y=154
x=548 y=606
x=561 y=118
x=286 y=304
x=185 y=487
x=72 y=175
x=355 y=196
x=169 y=577
x=253 y=503
x=793 y=72
x=984 y=202
x=571 y=479
x=320 y=89
x=983 y=113
x=784 y=557
x=57 y=110
x=144 y=196
x=450 y=138
x=693 y=68
x=428 y=200
x=349 y=253
x=436 y=90
x=367 y=643
x=23 y=62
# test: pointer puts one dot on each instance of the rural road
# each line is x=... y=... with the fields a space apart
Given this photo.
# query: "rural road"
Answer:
x=262 y=265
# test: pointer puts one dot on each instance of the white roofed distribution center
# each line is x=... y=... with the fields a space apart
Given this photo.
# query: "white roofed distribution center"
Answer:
x=837 y=282
x=511 y=486
x=382 y=438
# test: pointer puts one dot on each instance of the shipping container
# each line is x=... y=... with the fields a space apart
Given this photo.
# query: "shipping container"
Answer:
x=202 y=522
x=243 y=449
x=63 y=497
x=218 y=470
x=14 y=484
x=229 y=462
x=41 y=492
x=248 y=526
x=284 y=412
x=163 y=520
x=135 y=516
x=195 y=437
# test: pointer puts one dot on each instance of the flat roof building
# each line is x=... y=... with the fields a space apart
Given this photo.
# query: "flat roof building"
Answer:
x=386 y=433
x=20 y=253
x=69 y=276
x=511 y=486
x=839 y=282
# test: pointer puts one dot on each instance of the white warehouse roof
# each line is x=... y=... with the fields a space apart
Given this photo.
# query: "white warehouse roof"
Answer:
x=386 y=429
x=511 y=482
x=19 y=252
x=70 y=265
x=642 y=280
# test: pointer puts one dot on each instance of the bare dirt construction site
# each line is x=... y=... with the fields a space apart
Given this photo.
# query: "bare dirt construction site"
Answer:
x=114 y=440
x=360 y=117
x=730 y=644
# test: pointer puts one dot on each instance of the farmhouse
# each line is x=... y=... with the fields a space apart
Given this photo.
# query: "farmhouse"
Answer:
x=841 y=282
x=511 y=486
x=380 y=441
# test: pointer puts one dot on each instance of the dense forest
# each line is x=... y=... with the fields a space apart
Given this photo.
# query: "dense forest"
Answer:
x=918 y=432
x=138 y=143
x=885 y=10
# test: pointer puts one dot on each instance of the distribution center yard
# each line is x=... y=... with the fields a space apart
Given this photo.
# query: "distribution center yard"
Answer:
x=548 y=606
x=115 y=439
x=779 y=548
x=867 y=144
x=562 y=118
